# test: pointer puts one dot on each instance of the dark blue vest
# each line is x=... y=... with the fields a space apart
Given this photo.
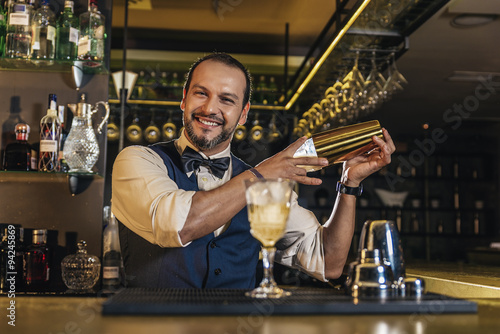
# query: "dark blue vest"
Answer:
x=226 y=261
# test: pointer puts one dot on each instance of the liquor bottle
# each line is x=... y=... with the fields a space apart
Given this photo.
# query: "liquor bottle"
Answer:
x=272 y=96
x=260 y=91
x=92 y=34
x=151 y=85
x=43 y=26
x=11 y=257
x=62 y=164
x=67 y=33
x=36 y=262
x=112 y=264
x=50 y=129
x=18 y=38
x=163 y=87
x=18 y=155
x=139 y=89
x=176 y=87
x=3 y=30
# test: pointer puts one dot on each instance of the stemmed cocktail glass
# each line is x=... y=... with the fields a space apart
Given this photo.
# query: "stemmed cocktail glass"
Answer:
x=268 y=203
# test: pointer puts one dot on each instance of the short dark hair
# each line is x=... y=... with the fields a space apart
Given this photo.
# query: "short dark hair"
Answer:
x=225 y=59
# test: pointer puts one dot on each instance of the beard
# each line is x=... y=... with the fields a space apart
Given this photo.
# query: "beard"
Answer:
x=204 y=143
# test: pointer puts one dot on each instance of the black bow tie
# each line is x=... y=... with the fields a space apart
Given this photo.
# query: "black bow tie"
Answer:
x=192 y=160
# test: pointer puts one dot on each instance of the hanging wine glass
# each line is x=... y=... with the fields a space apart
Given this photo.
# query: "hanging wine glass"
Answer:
x=274 y=133
x=374 y=85
x=134 y=131
x=240 y=133
x=256 y=132
x=395 y=79
x=169 y=129
x=113 y=131
x=152 y=131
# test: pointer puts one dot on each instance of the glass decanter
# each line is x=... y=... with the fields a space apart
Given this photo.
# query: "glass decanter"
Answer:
x=81 y=149
x=80 y=271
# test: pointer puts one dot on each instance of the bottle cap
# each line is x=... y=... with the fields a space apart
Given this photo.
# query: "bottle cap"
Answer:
x=22 y=131
x=40 y=236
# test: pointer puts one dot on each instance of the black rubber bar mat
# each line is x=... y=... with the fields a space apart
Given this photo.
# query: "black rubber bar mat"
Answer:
x=141 y=301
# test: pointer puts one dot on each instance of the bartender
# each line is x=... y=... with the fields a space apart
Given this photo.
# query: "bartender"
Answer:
x=182 y=206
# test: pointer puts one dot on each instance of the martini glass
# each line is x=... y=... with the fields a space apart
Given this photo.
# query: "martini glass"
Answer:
x=268 y=203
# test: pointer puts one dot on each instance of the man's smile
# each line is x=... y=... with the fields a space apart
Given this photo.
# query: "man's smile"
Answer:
x=209 y=121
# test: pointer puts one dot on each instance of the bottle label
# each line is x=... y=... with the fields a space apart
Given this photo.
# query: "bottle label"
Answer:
x=20 y=19
x=99 y=32
x=110 y=272
x=48 y=145
x=73 y=35
x=51 y=33
x=83 y=45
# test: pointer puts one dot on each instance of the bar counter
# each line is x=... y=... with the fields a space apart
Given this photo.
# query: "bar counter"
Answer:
x=64 y=314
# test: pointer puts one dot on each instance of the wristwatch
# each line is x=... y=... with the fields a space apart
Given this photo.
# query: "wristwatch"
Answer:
x=343 y=189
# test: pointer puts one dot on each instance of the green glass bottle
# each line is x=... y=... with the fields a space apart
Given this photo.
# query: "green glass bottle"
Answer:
x=67 y=33
x=92 y=34
x=3 y=30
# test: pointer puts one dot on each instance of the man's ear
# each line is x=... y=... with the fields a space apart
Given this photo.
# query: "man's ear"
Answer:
x=183 y=102
x=244 y=114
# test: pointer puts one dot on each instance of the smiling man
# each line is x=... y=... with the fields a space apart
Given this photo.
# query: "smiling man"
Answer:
x=182 y=205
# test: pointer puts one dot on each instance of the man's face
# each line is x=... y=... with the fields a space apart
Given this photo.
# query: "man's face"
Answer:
x=213 y=105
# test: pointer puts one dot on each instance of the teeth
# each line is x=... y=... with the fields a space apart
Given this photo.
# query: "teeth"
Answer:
x=208 y=123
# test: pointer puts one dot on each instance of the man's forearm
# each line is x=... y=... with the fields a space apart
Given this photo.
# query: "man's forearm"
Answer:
x=337 y=235
x=212 y=209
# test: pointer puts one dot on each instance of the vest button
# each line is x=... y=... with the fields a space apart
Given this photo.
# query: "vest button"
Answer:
x=217 y=271
x=213 y=244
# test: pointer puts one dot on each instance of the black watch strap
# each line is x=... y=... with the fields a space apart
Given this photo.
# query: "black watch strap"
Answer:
x=343 y=189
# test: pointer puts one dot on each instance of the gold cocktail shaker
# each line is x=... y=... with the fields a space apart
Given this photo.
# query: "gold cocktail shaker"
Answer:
x=340 y=144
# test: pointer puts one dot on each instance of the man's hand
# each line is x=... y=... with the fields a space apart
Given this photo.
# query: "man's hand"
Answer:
x=360 y=167
x=284 y=165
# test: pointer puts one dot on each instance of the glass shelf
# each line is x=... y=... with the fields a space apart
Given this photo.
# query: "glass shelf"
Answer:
x=52 y=65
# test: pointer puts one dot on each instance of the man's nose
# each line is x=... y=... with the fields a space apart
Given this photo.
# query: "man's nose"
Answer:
x=210 y=105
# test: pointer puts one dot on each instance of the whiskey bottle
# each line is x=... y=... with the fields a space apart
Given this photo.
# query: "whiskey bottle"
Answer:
x=112 y=260
x=50 y=130
x=36 y=262
x=92 y=34
x=43 y=42
x=18 y=155
x=18 y=39
x=67 y=33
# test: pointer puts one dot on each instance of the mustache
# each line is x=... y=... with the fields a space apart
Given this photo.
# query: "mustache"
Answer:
x=212 y=117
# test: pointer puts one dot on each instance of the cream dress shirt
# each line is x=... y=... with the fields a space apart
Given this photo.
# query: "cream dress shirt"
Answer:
x=149 y=202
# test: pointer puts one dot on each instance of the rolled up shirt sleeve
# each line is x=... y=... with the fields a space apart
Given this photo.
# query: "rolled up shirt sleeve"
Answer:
x=301 y=247
x=146 y=199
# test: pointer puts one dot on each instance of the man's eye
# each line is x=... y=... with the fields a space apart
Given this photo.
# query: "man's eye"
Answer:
x=227 y=100
x=200 y=92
